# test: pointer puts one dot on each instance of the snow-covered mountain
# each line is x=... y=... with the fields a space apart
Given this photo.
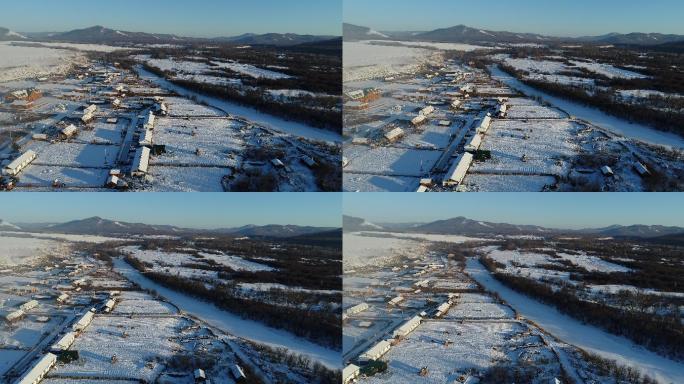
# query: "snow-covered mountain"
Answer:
x=355 y=224
x=6 y=35
x=6 y=225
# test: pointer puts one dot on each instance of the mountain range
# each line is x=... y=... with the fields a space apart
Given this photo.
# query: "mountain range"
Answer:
x=102 y=35
x=465 y=226
x=469 y=35
x=104 y=227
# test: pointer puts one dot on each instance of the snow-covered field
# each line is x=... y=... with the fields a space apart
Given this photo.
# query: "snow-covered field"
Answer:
x=363 y=60
x=390 y=160
x=72 y=238
x=581 y=335
x=474 y=310
x=18 y=62
x=22 y=250
x=427 y=44
x=608 y=70
x=475 y=346
x=362 y=251
x=456 y=239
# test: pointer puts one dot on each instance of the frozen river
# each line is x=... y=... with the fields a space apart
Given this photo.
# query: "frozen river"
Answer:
x=231 y=323
x=636 y=131
x=584 y=336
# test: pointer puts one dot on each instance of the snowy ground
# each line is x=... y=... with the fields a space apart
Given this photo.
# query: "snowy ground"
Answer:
x=363 y=60
x=581 y=335
x=22 y=250
x=18 y=62
x=231 y=323
x=360 y=251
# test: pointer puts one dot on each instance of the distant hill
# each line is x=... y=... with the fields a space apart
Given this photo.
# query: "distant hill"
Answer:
x=279 y=39
x=465 y=34
x=274 y=230
x=465 y=226
x=356 y=224
x=7 y=35
x=99 y=226
x=352 y=32
x=7 y=226
x=101 y=35
x=470 y=35
x=331 y=239
x=462 y=225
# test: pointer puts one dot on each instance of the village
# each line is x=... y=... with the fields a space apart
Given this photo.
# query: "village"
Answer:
x=446 y=125
x=420 y=308
x=104 y=126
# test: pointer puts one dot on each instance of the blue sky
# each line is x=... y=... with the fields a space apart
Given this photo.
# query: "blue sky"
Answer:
x=191 y=210
x=550 y=17
x=201 y=18
x=553 y=210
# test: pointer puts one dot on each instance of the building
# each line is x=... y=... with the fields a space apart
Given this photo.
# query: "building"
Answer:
x=64 y=343
x=18 y=164
x=83 y=322
x=418 y=120
x=356 y=309
x=503 y=109
x=14 y=316
x=376 y=351
x=109 y=305
x=458 y=170
x=444 y=123
x=407 y=327
x=62 y=298
x=29 y=305
x=607 y=171
x=28 y=95
x=355 y=105
x=455 y=104
x=427 y=110
x=350 y=372
x=394 y=134
x=39 y=137
x=38 y=370
x=443 y=309
x=641 y=169
x=474 y=143
x=146 y=138
x=68 y=132
x=345 y=161
x=396 y=300
x=149 y=121
x=200 y=376
x=355 y=95
x=116 y=103
x=141 y=161
x=238 y=372
x=484 y=124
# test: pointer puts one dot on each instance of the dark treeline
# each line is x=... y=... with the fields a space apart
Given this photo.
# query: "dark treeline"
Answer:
x=320 y=327
x=662 y=334
x=671 y=120
x=316 y=372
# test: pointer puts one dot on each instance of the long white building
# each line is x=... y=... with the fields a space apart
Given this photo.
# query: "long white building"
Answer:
x=83 y=322
x=474 y=143
x=350 y=372
x=407 y=327
x=141 y=161
x=38 y=370
x=18 y=164
x=458 y=170
x=376 y=351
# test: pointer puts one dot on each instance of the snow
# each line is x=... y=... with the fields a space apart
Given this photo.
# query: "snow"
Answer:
x=427 y=44
x=271 y=122
x=455 y=239
x=608 y=70
x=390 y=161
x=231 y=323
x=250 y=70
x=361 y=251
x=62 y=236
x=474 y=310
x=19 y=62
x=581 y=335
x=363 y=60
x=596 y=117
x=22 y=250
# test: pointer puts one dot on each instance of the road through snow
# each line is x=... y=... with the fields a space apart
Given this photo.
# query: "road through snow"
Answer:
x=584 y=336
x=232 y=323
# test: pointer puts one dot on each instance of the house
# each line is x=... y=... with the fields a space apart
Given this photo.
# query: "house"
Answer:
x=395 y=301
x=355 y=105
x=607 y=171
x=422 y=189
x=277 y=163
x=350 y=372
x=355 y=95
x=394 y=134
x=116 y=103
x=200 y=376
x=29 y=305
x=407 y=327
x=149 y=121
x=444 y=123
x=64 y=343
x=474 y=143
x=39 y=137
x=112 y=181
x=28 y=95
x=38 y=370
x=484 y=124
x=238 y=373
x=18 y=164
x=356 y=309
x=146 y=138
x=62 y=298
x=14 y=316
x=458 y=170
x=503 y=109
x=345 y=161
x=68 y=132
x=427 y=110
x=376 y=351
x=109 y=305
x=83 y=322
x=360 y=141
x=418 y=120
x=641 y=169
x=442 y=309
x=141 y=161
